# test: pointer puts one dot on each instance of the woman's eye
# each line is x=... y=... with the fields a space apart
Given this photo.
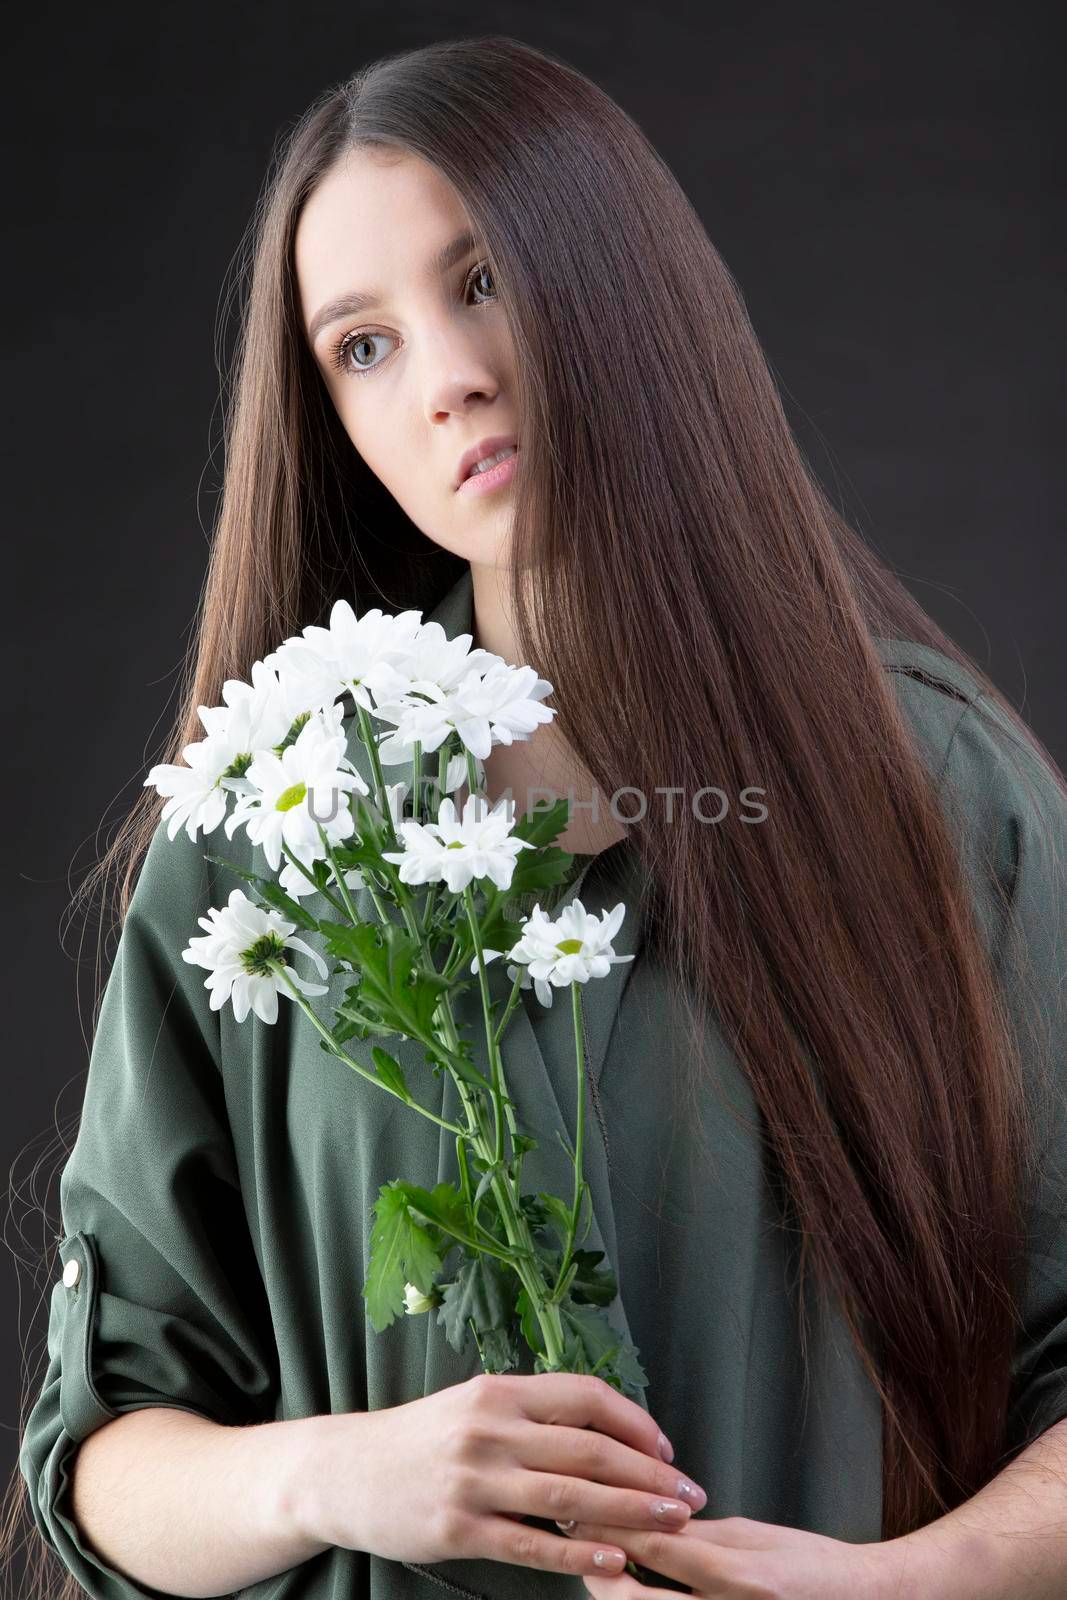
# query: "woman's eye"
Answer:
x=354 y=341
x=483 y=270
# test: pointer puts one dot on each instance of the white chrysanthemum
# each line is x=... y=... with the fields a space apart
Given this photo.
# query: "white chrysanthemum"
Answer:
x=258 y=715
x=255 y=716
x=494 y=705
x=359 y=654
x=572 y=948
x=455 y=850
x=241 y=944
x=434 y=666
x=415 y=1301
x=292 y=794
x=196 y=798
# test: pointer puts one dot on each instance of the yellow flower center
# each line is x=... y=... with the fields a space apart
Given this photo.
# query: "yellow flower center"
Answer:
x=569 y=947
x=292 y=796
x=457 y=844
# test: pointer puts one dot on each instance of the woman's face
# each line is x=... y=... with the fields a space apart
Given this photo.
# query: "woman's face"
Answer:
x=421 y=370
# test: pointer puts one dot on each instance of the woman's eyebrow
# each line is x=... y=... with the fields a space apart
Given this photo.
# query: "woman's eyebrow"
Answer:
x=349 y=305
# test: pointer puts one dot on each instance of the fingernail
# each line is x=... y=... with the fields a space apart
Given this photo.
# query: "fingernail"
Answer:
x=608 y=1558
x=666 y=1449
x=696 y=1497
x=666 y=1509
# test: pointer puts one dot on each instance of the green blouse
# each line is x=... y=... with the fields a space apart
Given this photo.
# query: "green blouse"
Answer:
x=216 y=1207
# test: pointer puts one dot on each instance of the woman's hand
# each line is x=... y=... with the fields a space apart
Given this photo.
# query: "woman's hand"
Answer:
x=453 y=1474
x=735 y=1558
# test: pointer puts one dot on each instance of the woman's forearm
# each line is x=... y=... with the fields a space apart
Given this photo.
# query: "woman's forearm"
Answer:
x=190 y=1507
x=1008 y=1542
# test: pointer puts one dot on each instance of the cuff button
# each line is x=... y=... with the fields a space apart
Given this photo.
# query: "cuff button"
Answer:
x=72 y=1272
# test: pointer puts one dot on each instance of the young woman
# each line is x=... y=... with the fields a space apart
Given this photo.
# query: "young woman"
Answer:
x=840 y=1044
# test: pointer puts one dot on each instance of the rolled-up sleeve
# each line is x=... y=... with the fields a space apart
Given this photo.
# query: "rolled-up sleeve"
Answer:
x=157 y=1298
x=1015 y=841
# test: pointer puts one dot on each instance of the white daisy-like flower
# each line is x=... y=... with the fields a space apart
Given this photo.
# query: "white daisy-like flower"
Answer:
x=291 y=795
x=196 y=798
x=571 y=948
x=360 y=655
x=257 y=715
x=434 y=666
x=240 y=948
x=455 y=850
x=496 y=705
x=415 y=1301
x=254 y=716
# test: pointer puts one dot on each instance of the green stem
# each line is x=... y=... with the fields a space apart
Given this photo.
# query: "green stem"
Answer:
x=515 y=1223
x=281 y=968
x=310 y=876
x=579 y=1184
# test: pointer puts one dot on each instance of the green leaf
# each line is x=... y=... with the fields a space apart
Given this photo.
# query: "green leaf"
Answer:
x=531 y=1328
x=538 y=869
x=603 y=1348
x=500 y=1351
x=401 y=1251
x=559 y=1213
x=592 y=1284
x=444 y=1206
x=484 y=1289
x=394 y=987
x=544 y=823
x=390 y=1071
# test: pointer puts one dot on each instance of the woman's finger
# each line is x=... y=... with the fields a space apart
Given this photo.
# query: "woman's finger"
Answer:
x=582 y=1400
x=548 y=1494
x=587 y=1453
x=626 y=1588
x=525 y=1546
x=674 y=1555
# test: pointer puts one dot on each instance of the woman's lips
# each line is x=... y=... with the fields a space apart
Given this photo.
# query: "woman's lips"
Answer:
x=495 y=478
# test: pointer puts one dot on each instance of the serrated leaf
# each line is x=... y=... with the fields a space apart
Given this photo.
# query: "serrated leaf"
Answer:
x=394 y=986
x=593 y=1284
x=443 y=1205
x=485 y=1289
x=543 y=823
x=401 y=1252
x=602 y=1346
x=500 y=1352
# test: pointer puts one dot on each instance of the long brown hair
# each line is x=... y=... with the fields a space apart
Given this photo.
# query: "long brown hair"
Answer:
x=689 y=572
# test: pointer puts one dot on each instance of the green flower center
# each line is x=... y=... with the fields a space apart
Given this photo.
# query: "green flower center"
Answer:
x=569 y=947
x=291 y=797
x=457 y=844
x=257 y=958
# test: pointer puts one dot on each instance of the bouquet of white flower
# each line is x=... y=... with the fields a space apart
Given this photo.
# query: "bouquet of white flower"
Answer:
x=480 y=1250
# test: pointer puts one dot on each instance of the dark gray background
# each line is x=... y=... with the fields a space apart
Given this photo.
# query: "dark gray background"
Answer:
x=879 y=180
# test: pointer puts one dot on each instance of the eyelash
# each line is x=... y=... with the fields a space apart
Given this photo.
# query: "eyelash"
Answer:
x=339 y=350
